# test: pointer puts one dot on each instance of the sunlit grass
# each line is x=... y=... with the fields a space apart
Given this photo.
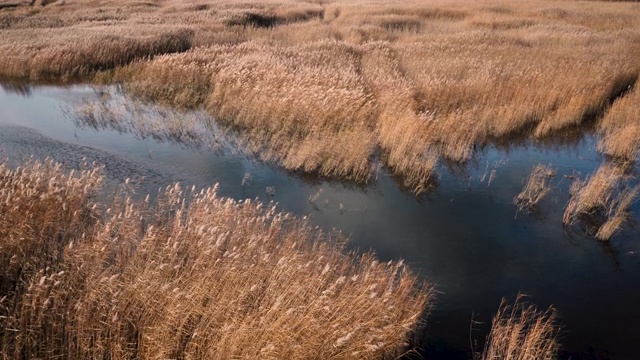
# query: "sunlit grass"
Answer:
x=193 y=276
x=522 y=332
x=603 y=199
x=327 y=87
x=536 y=188
x=620 y=128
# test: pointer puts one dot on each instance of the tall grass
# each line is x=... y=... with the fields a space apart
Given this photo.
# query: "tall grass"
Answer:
x=620 y=128
x=522 y=332
x=319 y=97
x=193 y=276
x=325 y=87
x=602 y=200
x=67 y=52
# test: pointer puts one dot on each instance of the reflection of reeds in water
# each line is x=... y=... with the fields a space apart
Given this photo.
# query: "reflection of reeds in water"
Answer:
x=116 y=111
x=211 y=279
x=536 y=188
x=314 y=197
x=521 y=332
x=603 y=199
x=16 y=87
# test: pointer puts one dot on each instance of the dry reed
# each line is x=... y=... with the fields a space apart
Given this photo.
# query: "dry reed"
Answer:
x=521 y=332
x=536 y=189
x=617 y=213
x=326 y=87
x=193 y=276
x=602 y=199
x=620 y=128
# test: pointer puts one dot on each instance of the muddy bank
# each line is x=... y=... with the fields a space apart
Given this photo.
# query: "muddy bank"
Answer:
x=18 y=144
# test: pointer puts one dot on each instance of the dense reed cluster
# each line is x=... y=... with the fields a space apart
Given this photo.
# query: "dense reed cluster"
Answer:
x=330 y=87
x=620 y=128
x=193 y=276
x=601 y=201
x=522 y=332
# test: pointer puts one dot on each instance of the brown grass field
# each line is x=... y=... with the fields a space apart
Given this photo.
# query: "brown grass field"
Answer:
x=330 y=87
x=214 y=279
x=202 y=277
x=620 y=128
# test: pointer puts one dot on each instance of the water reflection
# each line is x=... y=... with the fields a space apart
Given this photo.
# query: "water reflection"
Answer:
x=16 y=87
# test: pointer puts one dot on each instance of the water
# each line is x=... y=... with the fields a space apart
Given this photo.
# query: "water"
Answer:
x=465 y=235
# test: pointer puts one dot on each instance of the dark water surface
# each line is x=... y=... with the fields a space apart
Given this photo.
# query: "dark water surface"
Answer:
x=464 y=235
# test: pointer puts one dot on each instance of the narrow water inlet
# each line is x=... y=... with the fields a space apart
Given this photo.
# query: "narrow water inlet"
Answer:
x=465 y=235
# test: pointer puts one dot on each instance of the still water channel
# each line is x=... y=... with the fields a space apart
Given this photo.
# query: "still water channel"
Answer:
x=464 y=236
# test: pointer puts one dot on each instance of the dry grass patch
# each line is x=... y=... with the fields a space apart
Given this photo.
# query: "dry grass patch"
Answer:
x=536 y=188
x=324 y=87
x=618 y=213
x=620 y=128
x=602 y=200
x=521 y=332
x=43 y=208
x=193 y=276
x=68 y=53
x=305 y=108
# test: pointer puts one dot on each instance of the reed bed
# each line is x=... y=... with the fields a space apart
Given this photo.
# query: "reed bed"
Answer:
x=68 y=52
x=536 y=188
x=319 y=96
x=620 y=128
x=42 y=209
x=601 y=200
x=522 y=332
x=329 y=87
x=191 y=276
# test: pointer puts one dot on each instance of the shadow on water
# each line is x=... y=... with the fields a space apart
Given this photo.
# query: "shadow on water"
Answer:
x=25 y=87
x=463 y=235
x=18 y=88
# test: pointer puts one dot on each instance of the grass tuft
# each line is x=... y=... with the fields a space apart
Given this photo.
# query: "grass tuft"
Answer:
x=536 y=189
x=602 y=200
x=521 y=332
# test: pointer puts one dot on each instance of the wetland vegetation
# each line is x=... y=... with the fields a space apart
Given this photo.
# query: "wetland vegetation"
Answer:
x=200 y=276
x=212 y=279
x=335 y=89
